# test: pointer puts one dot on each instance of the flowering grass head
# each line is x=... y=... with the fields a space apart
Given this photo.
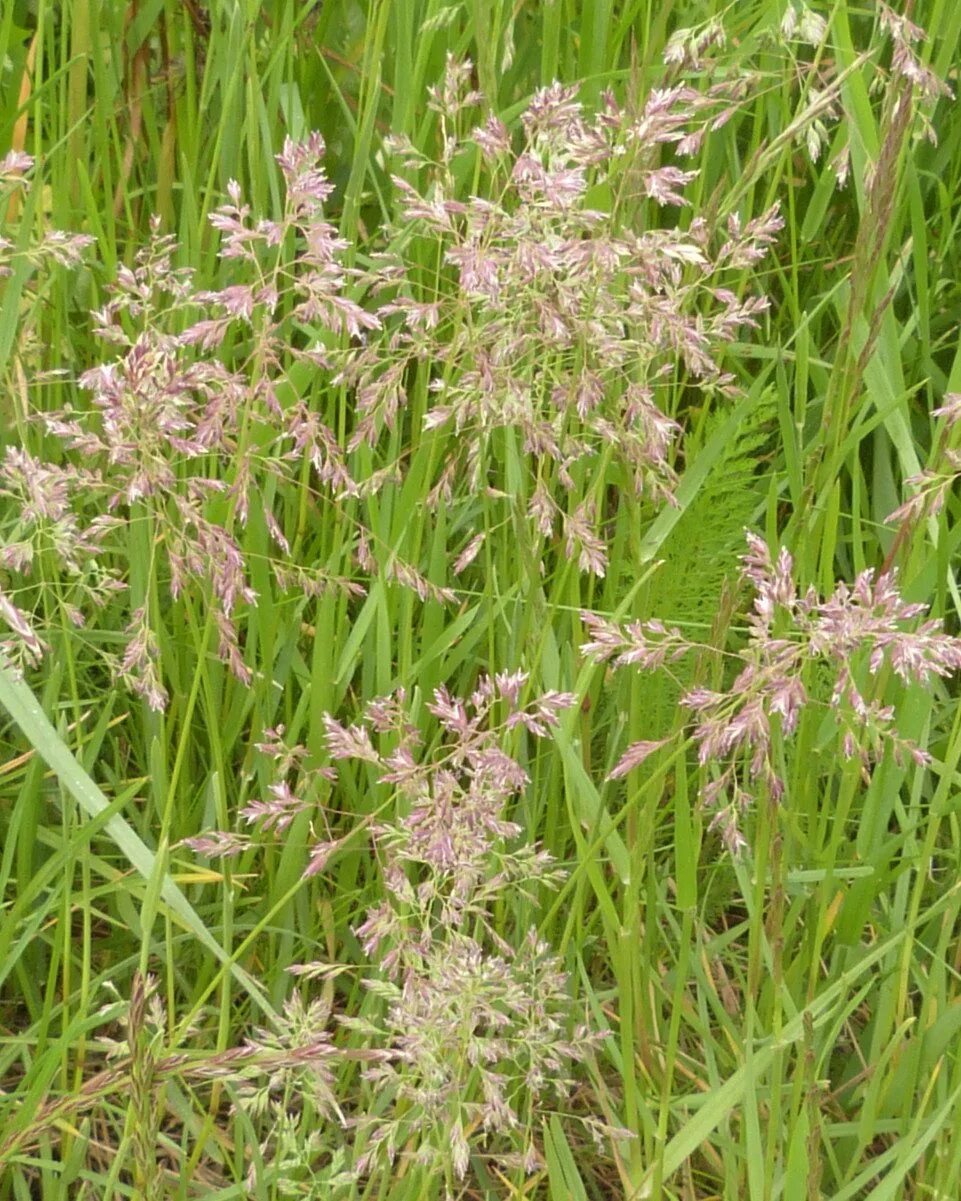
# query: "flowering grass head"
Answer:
x=475 y=1023
x=854 y=634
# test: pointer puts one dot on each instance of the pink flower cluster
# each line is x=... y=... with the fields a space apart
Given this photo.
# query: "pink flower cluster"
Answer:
x=854 y=634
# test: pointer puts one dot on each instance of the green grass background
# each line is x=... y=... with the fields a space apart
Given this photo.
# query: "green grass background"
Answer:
x=785 y=1026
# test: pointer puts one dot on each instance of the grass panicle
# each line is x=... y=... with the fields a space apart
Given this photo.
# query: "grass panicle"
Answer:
x=478 y=608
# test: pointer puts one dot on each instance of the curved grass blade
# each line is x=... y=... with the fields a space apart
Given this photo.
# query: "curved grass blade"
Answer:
x=23 y=707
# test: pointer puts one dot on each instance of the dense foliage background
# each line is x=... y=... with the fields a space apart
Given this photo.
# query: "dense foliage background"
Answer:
x=478 y=589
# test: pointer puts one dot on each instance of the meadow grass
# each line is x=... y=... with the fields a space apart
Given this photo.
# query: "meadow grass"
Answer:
x=420 y=785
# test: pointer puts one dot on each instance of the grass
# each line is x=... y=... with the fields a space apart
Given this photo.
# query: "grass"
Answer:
x=780 y=1023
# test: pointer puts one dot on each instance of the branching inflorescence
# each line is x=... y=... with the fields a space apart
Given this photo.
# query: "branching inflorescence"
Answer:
x=545 y=359
x=476 y=1029
x=554 y=317
x=854 y=634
